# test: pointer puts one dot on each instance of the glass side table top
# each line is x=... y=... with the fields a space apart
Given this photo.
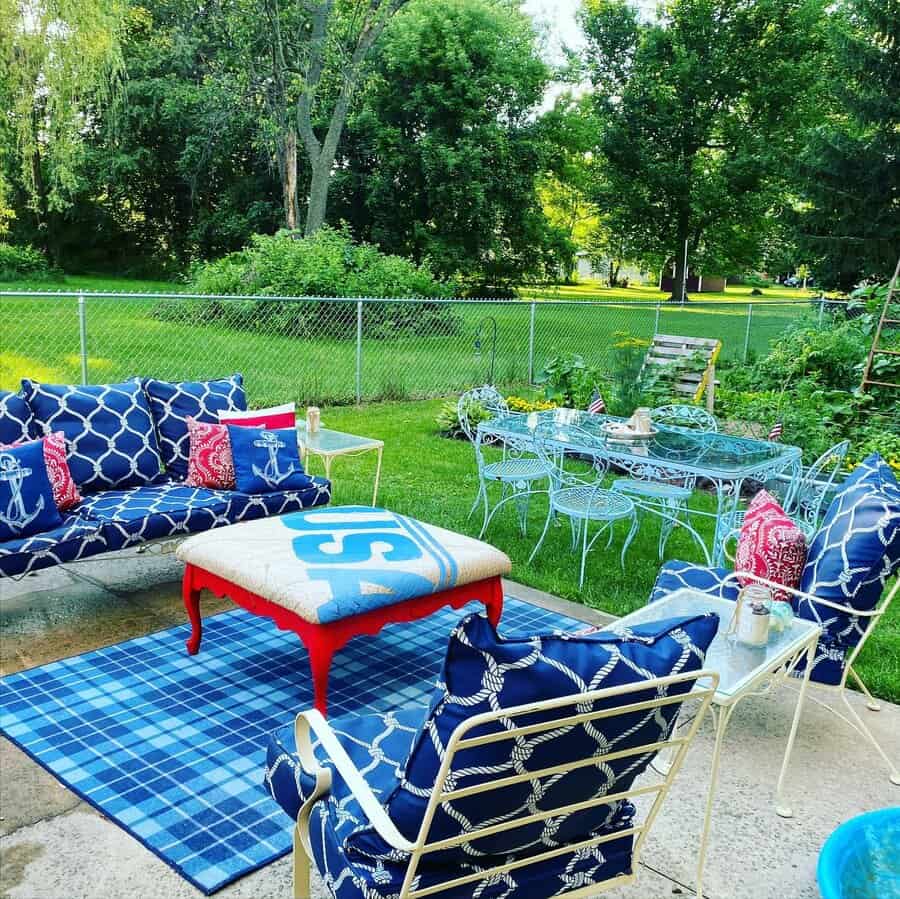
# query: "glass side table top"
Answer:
x=328 y=442
x=737 y=665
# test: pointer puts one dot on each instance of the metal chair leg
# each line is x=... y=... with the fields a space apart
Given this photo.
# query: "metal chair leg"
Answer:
x=584 y=549
x=538 y=545
x=872 y=704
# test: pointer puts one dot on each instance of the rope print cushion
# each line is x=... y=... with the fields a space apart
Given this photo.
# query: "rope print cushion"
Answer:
x=171 y=402
x=26 y=496
x=484 y=672
x=15 y=418
x=771 y=545
x=108 y=430
x=210 y=463
x=65 y=493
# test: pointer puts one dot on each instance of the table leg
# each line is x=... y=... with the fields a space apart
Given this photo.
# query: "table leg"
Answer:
x=721 y=720
x=493 y=602
x=321 y=652
x=191 y=598
x=782 y=810
x=377 y=477
x=724 y=518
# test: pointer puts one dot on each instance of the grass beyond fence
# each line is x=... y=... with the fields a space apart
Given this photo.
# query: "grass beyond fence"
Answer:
x=124 y=337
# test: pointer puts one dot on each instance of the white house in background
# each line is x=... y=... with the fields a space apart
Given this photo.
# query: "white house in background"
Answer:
x=586 y=271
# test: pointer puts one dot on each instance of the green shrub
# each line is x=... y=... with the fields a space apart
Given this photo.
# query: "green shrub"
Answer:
x=568 y=381
x=327 y=264
x=18 y=263
x=447 y=418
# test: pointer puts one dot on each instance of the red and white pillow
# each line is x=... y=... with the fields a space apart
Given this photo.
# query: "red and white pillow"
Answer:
x=210 y=463
x=771 y=546
x=284 y=416
x=65 y=493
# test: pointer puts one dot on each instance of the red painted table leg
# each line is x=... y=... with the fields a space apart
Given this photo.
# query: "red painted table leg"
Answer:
x=191 y=596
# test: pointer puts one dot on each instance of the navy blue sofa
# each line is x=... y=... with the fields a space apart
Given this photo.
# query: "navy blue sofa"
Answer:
x=127 y=448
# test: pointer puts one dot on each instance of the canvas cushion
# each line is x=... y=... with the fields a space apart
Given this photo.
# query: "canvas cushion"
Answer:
x=65 y=492
x=284 y=416
x=171 y=402
x=771 y=546
x=75 y=538
x=26 y=494
x=677 y=575
x=873 y=470
x=15 y=418
x=109 y=434
x=484 y=672
x=210 y=463
x=266 y=460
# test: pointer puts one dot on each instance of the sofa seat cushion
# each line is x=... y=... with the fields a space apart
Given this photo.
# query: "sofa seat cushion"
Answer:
x=110 y=438
x=483 y=672
x=172 y=402
x=248 y=506
x=15 y=418
x=379 y=745
x=75 y=538
x=161 y=510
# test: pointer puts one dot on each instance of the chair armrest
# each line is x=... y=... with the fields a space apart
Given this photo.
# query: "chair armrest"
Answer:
x=312 y=721
x=800 y=594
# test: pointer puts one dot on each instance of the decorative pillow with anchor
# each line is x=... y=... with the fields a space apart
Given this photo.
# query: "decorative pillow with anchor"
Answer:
x=26 y=494
x=267 y=460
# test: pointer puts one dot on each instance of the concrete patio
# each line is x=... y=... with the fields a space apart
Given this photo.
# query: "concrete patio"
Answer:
x=55 y=846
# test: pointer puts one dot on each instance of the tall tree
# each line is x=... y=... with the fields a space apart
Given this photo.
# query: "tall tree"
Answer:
x=59 y=59
x=694 y=130
x=849 y=170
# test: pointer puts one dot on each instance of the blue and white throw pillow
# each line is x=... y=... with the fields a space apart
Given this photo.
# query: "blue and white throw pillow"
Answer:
x=266 y=460
x=26 y=495
x=15 y=417
x=172 y=402
x=484 y=672
x=873 y=470
x=110 y=439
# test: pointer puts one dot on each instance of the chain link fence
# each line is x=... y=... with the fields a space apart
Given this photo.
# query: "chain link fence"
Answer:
x=334 y=351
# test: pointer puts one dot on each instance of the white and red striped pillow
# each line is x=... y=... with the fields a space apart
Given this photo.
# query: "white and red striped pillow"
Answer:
x=65 y=492
x=273 y=418
x=210 y=463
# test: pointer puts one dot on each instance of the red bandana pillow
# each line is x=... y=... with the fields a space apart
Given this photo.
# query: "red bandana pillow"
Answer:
x=771 y=545
x=65 y=493
x=210 y=463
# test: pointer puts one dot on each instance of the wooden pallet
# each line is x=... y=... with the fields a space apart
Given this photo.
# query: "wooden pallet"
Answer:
x=669 y=348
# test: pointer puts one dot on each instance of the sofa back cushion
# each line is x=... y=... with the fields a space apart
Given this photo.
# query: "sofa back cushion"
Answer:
x=15 y=418
x=852 y=556
x=26 y=495
x=172 y=402
x=110 y=439
x=770 y=545
x=484 y=672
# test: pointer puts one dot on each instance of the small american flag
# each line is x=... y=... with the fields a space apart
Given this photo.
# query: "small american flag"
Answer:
x=777 y=431
x=596 y=405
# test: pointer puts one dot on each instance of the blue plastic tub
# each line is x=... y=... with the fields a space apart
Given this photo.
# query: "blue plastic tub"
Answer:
x=861 y=859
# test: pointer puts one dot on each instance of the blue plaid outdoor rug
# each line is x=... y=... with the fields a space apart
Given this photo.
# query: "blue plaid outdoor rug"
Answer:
x=172 y=747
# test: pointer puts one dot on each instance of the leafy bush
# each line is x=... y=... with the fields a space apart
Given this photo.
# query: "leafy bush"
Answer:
x=568 y=381
x=17 y=263
x=327 y=264
x=448 y=417
x=875 y=441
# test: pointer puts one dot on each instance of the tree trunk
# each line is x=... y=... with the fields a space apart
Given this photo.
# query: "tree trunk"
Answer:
x=289 y=180
x=319 y=181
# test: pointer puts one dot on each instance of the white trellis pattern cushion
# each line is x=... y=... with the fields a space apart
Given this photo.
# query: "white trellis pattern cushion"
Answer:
x=173 y=402
x=15 y=418
x=484 y=672
x=110 y=439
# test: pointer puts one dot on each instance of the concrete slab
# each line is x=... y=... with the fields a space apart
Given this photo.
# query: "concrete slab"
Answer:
x=52 y=845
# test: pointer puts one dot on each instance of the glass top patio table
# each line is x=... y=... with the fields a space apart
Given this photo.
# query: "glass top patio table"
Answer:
x=325 y=441
x=739 y=667
x=672 y=449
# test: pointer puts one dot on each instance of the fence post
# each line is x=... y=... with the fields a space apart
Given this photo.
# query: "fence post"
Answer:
x=821 y=309
x=656 y=321
x=747 y=334
x=82 y=335
x=359 y=328
x=531 y=343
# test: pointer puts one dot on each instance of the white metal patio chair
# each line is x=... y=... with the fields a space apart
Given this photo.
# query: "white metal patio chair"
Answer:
x=518 y=469
x=610 y=853
x=656 y=491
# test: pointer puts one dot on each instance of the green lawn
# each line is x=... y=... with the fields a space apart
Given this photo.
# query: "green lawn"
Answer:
x=597 y=290
x=433 y=478
x=41 y=339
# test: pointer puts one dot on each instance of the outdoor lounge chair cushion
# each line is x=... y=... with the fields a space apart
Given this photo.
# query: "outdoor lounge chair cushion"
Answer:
x=109 y=434
x=483 y=672
x=171 y=402
x=75 y=538
x=15 y=418
x=379 y=745
x=26 y=495
x=872 y=470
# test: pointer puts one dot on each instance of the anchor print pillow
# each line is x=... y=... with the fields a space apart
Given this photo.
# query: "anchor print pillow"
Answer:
x=266 y=460
x=65 y=492
x=26 y=495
